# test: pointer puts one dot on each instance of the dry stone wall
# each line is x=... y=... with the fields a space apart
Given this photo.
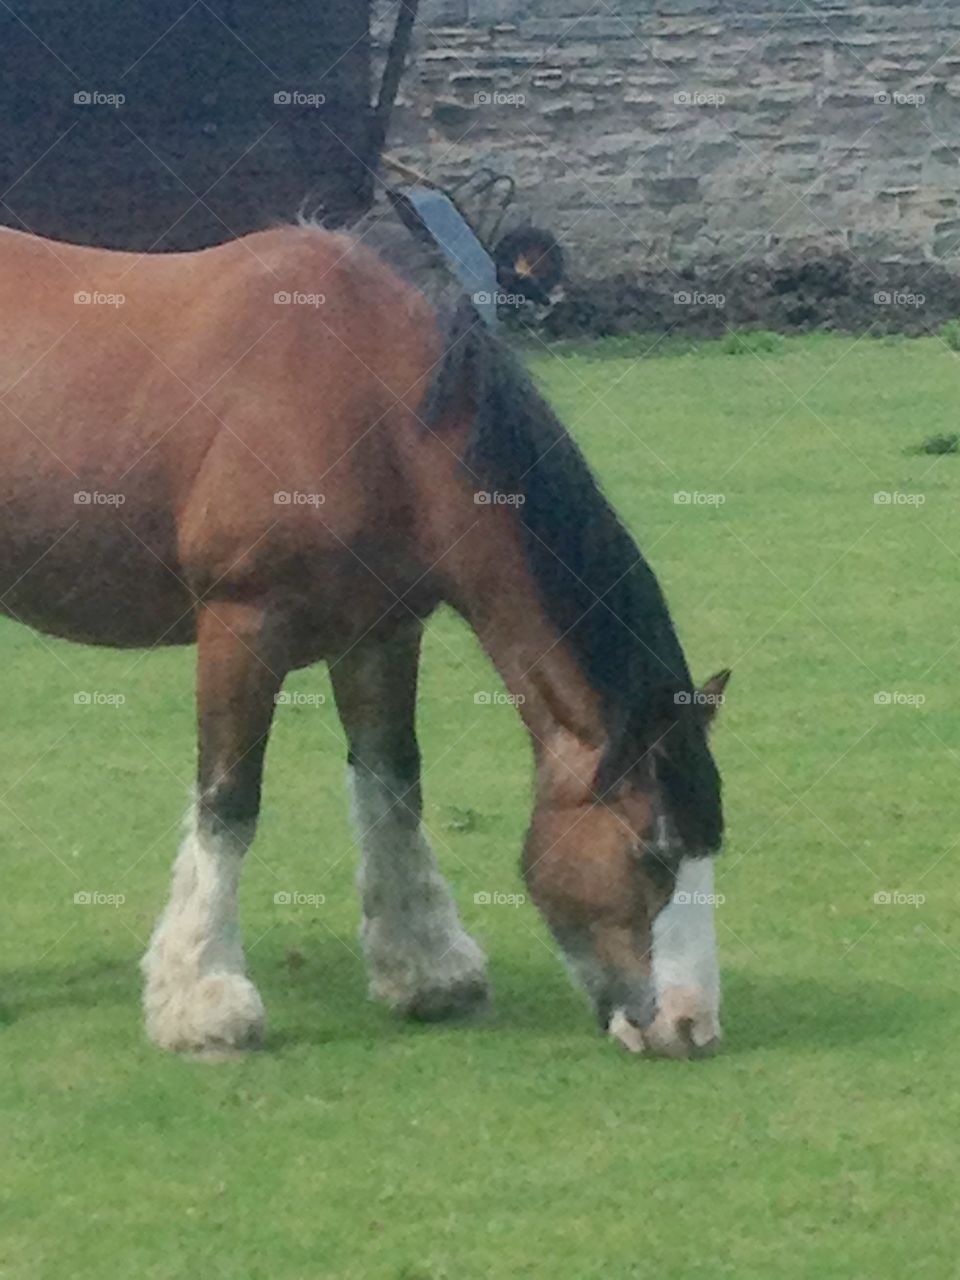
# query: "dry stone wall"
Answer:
x=672 y=134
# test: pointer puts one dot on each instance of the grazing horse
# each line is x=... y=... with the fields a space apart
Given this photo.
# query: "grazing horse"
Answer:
x=281 y=450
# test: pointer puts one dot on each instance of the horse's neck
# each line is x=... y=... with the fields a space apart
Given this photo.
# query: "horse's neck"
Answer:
x=557 y=705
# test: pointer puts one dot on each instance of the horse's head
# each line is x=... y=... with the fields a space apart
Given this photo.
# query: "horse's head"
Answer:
x=609 y=832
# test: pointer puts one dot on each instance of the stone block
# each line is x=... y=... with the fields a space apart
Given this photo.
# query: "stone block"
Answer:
x=664 y=193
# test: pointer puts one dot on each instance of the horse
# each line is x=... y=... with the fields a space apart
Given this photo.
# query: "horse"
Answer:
x=279 y=449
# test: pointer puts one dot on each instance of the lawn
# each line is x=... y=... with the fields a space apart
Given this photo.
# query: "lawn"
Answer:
x=821 y=1142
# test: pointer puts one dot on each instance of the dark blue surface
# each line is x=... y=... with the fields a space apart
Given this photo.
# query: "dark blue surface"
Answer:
x=468 y=259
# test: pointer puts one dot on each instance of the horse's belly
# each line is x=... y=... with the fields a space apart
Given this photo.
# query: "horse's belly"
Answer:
x=81 y=582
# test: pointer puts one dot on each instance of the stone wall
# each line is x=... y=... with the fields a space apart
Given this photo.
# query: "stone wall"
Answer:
x=672 y=132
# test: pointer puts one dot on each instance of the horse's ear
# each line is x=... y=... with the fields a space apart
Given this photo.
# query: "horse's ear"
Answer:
x=710 y=695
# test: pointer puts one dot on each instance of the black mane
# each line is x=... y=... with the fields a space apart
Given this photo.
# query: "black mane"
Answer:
x=596 y=587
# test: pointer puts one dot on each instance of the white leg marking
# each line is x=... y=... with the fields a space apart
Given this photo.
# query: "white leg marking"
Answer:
x=197 y=995
x=419 y=957
x=685 y=970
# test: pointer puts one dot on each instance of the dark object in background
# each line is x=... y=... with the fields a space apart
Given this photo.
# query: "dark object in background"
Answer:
x=234 y=115
x=529 y=264
x=527 y=261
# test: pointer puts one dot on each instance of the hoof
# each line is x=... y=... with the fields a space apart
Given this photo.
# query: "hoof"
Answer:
x=625 y=1032
x=686 y=1025
x=462 y=999
x=220 y=1014
x=430 y=980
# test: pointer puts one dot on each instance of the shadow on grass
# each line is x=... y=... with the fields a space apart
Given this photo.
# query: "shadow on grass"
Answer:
x=530 y=999
x=760 y=1012
x=772 y=1012
x=84 y=985
x=319 y=997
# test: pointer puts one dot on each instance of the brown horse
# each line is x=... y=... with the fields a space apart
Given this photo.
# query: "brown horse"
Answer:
x=280 y=449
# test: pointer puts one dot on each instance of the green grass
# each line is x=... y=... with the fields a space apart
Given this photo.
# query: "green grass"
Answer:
x=950 y=333
x=822 y=1142
x=749 y=342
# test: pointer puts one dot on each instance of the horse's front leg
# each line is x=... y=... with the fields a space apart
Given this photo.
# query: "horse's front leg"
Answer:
x=197 y=993
x=420 y=960
x=685 y=970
